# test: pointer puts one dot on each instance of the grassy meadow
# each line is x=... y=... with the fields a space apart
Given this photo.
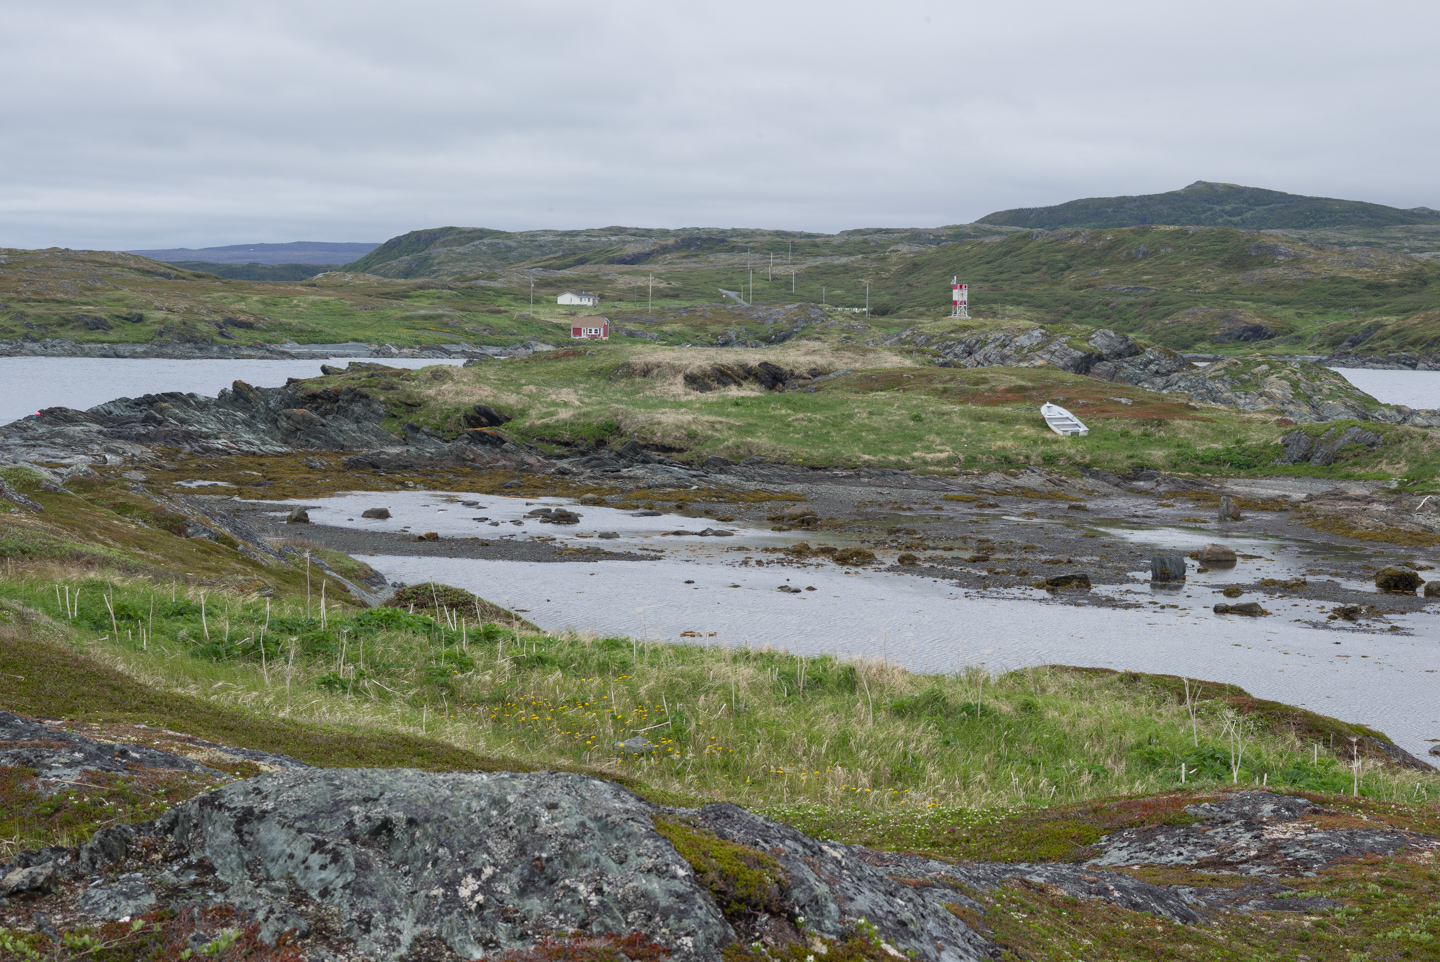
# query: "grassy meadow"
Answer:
x=880 y=407
x=815 y=737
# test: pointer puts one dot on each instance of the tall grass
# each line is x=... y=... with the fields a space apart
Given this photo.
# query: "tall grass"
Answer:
x=764 y=728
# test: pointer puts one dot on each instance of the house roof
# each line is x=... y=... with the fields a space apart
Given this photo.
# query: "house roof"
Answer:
x=579 y=294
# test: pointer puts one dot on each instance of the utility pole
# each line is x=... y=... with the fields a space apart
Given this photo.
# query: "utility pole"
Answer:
x=792 y=282
x=752 y=285
x=532 y=295
x=822 y=295
x=650 y=300
x=867 y=298
x=771 y=275
x=788 y=251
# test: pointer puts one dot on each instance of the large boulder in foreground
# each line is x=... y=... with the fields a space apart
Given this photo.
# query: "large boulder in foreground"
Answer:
x=492 y=861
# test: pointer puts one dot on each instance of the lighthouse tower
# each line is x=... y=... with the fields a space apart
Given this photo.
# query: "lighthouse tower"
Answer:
x=959 y=298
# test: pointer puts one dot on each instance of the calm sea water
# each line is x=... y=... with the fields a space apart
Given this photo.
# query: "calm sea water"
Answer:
x=28 y=384
x=1417 y=389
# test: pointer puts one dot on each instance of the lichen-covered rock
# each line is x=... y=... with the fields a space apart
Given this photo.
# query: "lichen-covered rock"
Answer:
x=484 y=861
x=1246 y=833
x=491 y=861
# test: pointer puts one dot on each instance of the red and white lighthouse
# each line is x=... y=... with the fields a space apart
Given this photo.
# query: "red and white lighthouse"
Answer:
x=959 y=298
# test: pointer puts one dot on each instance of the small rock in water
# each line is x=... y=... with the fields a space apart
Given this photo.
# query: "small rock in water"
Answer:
x=1432 y=589
x=854 y=556
x=470 y=504
x=1232 y=592
x=1229 y=511
x=1346 y=613
x=648 y=513
x=1216 y=555
x=428 y=536
x=1246 y=608
x=608 y=535
x=789 y=589
x=1397 y=580
x=377 y=513
x=1168 y=567
x=637 y=745
x=562 y=516
x=1435 y=749
x=1078 y=581
x=298 y=516
x=907 y=559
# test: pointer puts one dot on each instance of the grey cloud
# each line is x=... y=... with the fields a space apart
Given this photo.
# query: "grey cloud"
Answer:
x=167 y=124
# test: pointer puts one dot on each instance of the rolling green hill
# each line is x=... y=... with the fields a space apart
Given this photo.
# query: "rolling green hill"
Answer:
x=466 y=253
x=1213 y=205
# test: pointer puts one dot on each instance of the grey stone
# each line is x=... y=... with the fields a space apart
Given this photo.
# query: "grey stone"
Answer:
x=380 y=514
x=1216 y=554
x=608 y=535
x=1077 y=581
x=36 y=878
x=1432 y=589
x=485 y=861
x=1397 y=579
x=1170 y=567
x=484 y=416
x=298 y=516
x=126 y=898
x=1249 y=608
x=1228 y=510
x=637 y=745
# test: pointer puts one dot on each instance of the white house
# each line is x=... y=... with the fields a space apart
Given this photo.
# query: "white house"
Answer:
x=578 y=298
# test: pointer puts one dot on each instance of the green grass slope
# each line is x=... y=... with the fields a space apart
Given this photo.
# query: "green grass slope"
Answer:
x=1212 y=205
x=465 y=253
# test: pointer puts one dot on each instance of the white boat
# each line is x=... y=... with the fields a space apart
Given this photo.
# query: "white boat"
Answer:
x=1063 y=422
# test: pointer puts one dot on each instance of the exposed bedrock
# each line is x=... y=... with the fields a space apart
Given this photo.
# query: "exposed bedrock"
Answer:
x=378 y=858
x=1297 y=390
x=248 y=420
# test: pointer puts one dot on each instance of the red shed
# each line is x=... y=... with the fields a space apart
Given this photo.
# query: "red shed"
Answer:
x=590 y=329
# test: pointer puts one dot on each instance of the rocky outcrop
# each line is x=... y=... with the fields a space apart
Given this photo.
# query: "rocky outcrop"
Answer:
x=300 y=416
x=366 y=863
x=1301 y=448
x=487 y=862
x=55 y=754
x=771 y=377
x=1298 y=390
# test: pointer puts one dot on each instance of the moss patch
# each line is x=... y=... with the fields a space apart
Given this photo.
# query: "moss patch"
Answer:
x=745 y=881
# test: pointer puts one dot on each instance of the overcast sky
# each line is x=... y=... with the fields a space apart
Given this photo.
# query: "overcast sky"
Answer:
x=144 y=125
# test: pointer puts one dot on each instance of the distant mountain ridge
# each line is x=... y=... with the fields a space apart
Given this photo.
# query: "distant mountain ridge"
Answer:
x=295 y=252
x=1206 y=204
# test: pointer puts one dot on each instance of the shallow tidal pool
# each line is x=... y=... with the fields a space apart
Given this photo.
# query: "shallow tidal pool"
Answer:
x=725 y=591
